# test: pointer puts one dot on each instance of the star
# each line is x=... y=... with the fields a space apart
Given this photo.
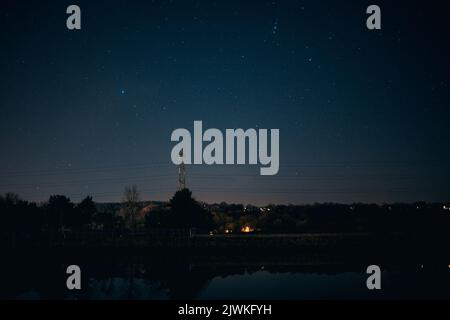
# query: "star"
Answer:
x=275 y=27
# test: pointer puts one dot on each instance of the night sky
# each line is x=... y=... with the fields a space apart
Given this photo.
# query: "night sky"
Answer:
x=363 y=115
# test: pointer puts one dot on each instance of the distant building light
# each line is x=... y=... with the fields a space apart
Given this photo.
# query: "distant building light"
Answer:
x=247 y=229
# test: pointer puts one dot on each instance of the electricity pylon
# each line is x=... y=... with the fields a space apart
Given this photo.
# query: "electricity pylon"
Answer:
x=181 y=172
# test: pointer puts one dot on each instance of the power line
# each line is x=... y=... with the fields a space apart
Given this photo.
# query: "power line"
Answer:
x=441 y=162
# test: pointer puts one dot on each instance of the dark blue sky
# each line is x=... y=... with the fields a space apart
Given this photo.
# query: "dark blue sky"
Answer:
x=363 y=115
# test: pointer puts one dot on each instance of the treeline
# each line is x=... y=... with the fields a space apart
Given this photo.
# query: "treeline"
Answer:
x=22 y=219
x=59 y=216
x=416 y=218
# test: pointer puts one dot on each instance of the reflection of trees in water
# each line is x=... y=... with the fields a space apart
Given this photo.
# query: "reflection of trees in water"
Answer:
x=21 y=273
x=164 y=275
x=180 y=280
x=126 y=275
x=153 y=275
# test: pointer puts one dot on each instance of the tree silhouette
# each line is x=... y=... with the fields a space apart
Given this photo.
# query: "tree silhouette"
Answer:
x=17 y=218
x=60 y=212
x=8 y=205
x=186 y=212
x=84 y=214
x=132 y=207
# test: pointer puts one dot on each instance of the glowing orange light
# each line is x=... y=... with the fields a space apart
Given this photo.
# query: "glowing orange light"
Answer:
x=247 y=229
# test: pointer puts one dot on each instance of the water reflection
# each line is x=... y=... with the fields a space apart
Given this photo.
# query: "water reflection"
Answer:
x=178 y=275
